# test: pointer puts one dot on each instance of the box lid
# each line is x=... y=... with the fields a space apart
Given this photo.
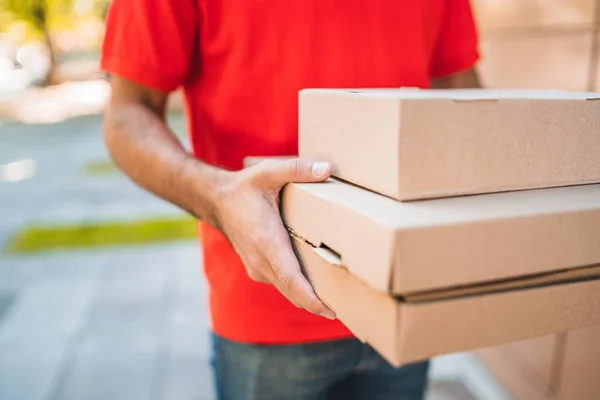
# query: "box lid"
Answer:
x=401 y=247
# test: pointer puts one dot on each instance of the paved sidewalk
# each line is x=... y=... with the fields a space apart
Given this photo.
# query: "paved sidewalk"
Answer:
x=110 y=324
x=115 y=323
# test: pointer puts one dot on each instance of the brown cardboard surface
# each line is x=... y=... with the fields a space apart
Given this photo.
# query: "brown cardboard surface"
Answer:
x=533 y=15
x=404 y=332
x=579 y=376
x=407 y=247
x=250 y=161
x=544 y=60
x=413 y=144
x=538 y=356
x=512 y=374
x=528 y=368
x=550 y=278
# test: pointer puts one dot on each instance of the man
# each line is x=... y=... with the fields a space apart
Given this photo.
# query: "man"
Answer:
x=241 y=64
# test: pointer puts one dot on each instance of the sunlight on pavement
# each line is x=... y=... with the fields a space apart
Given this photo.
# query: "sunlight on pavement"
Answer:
x=57 y=103
x=17 y=170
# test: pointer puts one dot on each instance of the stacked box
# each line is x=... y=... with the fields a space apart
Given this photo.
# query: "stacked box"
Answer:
x=456 y=219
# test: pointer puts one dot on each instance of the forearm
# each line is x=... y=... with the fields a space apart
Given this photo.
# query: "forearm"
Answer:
x=145 y=149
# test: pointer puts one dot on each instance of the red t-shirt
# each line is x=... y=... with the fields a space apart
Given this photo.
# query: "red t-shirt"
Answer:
x=241 y=64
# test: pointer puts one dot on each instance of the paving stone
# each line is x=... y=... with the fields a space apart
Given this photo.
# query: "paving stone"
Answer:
x=16 y=272
x=190 y=304
x=133 y=295
x=27 y=371
x=450 y=390
x=6 y=300
x=45 y=312
x=110 y=367
x=187 y=367
x=140 y=278
x=68 y=267
x=188 y=377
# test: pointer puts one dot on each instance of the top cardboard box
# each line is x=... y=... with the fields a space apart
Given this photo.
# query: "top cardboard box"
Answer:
x=412 y=144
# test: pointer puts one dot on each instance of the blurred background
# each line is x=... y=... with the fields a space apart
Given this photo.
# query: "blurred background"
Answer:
x=101 y=295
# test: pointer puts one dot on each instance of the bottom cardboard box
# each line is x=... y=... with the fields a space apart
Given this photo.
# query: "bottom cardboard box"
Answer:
x=409 y=329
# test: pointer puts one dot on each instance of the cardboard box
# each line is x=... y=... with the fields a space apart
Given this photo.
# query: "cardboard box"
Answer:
x=416 y=280
x=407 y=247
x=408 y=329
x=414 y=144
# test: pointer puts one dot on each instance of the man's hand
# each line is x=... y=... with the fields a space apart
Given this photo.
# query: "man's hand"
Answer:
x=248 y=214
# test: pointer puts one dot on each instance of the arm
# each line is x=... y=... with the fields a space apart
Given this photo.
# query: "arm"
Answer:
x=142 y=146
x=466 y=79
x=243 y=204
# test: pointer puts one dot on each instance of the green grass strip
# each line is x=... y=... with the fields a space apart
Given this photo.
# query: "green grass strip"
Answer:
x=36 y=238
x=100 y=168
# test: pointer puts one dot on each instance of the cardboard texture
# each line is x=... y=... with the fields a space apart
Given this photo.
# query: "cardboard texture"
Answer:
x=412 y=144
x=581 y=366
x=415 y=247
x=530 y=368
x=516 y=378
x=574 y=376
x=539 y=357
x=403 y=331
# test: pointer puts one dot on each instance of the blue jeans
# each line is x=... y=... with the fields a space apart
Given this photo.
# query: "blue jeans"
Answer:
x=335 y=370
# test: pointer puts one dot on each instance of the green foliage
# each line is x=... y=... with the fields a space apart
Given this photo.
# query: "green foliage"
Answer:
x=37 y=15
x=40 y=15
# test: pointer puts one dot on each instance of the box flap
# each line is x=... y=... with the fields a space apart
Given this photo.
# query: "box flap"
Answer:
x=339 y=217
x=417 y=246
x=333 y=284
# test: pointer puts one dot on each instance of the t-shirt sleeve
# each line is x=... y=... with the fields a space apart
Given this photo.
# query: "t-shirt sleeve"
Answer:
x=151 y=42
x=456 y=45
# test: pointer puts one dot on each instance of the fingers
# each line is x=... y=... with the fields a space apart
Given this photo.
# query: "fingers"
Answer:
x=263 y=272
x=289 y=278
x=254 y=227
x=297 y=170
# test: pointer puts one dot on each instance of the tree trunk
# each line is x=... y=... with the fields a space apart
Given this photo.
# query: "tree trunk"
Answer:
x=51 y=77
x=40 y=13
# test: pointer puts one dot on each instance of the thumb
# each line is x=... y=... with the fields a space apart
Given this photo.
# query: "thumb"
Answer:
x=296 y=170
